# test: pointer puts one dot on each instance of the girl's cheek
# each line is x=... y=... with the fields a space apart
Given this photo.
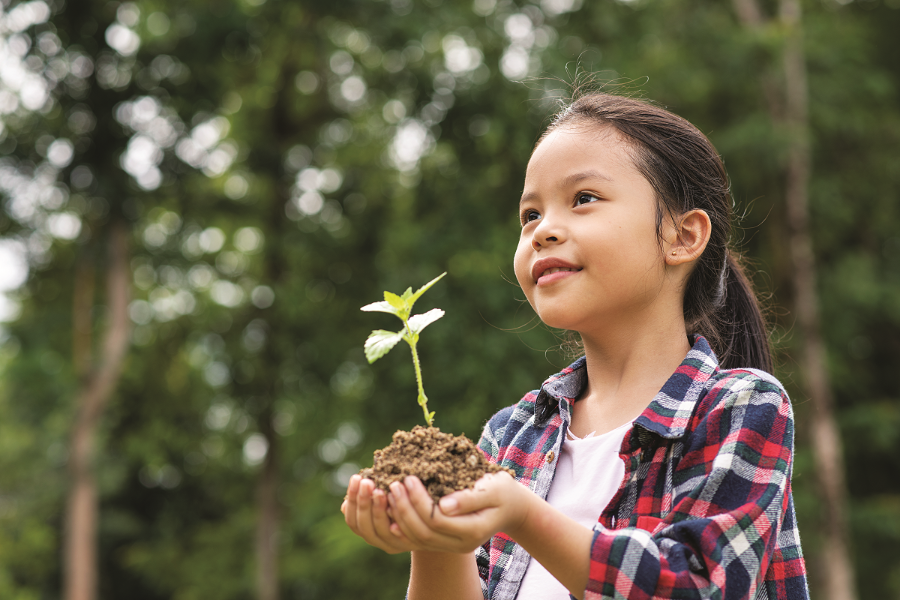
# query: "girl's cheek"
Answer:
x=520 y=265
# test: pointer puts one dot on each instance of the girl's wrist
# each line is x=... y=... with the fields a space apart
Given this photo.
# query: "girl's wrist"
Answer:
x=524 y=504
x=443 y=575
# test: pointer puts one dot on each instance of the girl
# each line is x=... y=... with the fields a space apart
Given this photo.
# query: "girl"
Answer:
x=657 y=465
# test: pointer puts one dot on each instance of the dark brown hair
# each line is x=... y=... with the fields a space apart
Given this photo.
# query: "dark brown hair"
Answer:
x=687 y=173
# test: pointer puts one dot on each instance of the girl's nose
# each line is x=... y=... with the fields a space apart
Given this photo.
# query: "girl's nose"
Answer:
x=546 y=234
x=536 y=244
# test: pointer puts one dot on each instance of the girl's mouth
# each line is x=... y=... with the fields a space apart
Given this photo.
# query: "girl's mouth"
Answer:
x=555 y=274
x=556 y=270
x=549 y=269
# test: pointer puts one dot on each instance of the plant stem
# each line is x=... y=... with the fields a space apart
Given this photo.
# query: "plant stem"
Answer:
x=423 y=400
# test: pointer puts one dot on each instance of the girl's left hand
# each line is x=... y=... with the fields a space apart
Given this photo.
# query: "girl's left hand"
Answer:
x=462 y=521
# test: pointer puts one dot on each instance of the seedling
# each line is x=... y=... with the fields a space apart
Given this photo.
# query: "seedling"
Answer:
x=381 y=341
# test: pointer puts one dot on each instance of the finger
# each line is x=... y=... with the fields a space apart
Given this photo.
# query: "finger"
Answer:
x=419 y=498
x=482 y=496
x=401 y=512
x=351 y=501
x=411 y=523
x=394 y=528
x=380 y=519
x=424 y=524
x=387 y=539
x=364 y=510
x=374 y=525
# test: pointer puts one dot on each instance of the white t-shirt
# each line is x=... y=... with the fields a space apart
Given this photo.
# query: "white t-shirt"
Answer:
x=587 y=476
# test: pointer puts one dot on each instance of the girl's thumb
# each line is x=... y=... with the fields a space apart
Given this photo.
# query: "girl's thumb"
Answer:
x=449 y=505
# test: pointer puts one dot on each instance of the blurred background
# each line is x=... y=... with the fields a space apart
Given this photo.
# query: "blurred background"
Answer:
x=197 y=197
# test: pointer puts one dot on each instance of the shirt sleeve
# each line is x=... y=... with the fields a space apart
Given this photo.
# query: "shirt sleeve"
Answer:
x=731 y=494
x=490 y=446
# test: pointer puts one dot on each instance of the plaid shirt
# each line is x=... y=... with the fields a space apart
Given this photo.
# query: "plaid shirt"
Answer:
x=705 y=508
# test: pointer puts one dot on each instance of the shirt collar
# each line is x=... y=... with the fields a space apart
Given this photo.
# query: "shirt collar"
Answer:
x=667 y=415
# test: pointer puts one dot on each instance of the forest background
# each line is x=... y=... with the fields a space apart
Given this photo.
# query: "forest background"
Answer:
x=198 y=196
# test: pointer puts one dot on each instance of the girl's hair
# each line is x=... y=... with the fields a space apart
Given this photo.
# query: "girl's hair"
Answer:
x=687 y=173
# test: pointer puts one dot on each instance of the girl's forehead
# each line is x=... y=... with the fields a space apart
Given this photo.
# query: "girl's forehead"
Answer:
x=579 y=145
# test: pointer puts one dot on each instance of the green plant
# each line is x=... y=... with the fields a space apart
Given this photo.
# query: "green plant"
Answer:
x=381 y=341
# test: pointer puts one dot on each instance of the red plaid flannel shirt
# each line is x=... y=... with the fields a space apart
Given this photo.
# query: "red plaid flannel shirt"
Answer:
x=705 y=508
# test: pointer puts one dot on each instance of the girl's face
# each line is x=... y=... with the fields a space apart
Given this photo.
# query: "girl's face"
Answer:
x=589 y=250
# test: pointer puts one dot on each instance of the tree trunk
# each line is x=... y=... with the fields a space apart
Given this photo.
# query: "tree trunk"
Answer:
x=838 y=576
x=98 y=384
x=267 y=524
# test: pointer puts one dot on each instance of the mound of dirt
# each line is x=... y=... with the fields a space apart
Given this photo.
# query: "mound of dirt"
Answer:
x=443 y=462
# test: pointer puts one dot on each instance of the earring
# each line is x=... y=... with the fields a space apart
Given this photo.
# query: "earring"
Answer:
x=674 y=252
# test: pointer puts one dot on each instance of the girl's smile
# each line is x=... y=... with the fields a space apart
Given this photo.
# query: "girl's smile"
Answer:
x=547 y=270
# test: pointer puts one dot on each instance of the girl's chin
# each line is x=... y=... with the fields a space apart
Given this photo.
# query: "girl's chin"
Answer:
x=559 y=320
x=573 y=317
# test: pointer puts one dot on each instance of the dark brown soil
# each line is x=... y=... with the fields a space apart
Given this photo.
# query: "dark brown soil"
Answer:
x=445 y=463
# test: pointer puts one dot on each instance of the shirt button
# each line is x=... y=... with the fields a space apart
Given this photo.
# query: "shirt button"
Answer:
x=550 y=456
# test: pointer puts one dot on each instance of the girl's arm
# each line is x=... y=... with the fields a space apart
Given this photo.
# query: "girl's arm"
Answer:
x=444 y=576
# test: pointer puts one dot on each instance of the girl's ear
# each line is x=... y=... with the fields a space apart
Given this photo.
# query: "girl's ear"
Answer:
x=688 y=237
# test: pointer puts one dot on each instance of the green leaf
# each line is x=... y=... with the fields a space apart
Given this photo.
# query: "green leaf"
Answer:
x=412 y=299
x=396 y=301
x=380 y=343
x=417 y=323
x=407 y=295
x=381 y=307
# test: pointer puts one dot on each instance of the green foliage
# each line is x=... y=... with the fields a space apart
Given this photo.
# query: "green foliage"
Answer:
x=380 y=341
x=311 y=154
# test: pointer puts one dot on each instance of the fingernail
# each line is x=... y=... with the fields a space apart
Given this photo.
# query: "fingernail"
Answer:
x=409 y=481
x=449 y=505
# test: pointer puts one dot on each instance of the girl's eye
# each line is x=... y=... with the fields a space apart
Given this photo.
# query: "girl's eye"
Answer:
x=530 y=215
x=581 y=199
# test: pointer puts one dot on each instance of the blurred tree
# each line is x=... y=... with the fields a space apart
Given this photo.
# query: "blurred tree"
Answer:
x=278 y=165
x=98 y=381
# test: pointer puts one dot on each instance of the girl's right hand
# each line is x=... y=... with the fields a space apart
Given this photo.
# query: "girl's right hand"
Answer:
x=366 y=512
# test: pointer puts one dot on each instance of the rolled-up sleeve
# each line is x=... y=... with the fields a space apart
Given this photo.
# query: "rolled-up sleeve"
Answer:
x=490 y=446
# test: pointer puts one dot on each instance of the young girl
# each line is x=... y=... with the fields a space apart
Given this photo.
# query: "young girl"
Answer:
x=658 y=465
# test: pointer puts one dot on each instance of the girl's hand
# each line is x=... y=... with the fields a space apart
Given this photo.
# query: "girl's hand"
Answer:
x=463 y=520
x=365 y=512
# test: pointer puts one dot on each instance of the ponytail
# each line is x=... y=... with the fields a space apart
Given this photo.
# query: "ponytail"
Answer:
x=736 y=329
x=687 y=173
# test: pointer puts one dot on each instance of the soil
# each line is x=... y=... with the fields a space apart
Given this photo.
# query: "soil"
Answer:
x=443 y=462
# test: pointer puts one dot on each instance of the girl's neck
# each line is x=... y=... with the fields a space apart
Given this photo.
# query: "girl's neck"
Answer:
x=626 y=368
